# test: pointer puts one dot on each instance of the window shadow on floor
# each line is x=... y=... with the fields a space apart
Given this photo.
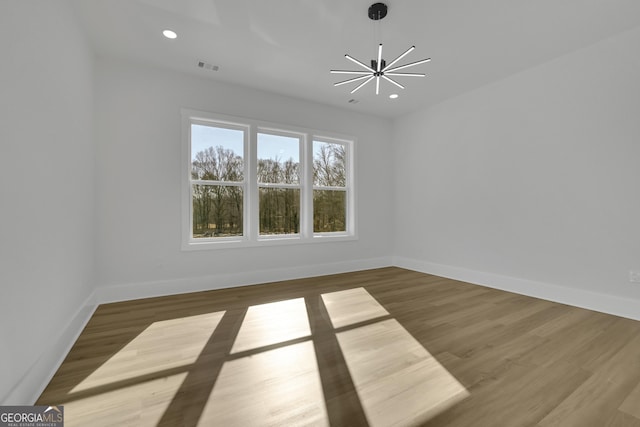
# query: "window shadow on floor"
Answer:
x=212 y=358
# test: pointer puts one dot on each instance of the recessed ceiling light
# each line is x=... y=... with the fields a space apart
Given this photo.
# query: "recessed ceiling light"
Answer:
x=169 y=34
x=393 y=96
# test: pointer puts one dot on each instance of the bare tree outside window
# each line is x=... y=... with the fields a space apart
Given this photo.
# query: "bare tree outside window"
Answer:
x=216 y=172
x=329 y=183
x=279 y=184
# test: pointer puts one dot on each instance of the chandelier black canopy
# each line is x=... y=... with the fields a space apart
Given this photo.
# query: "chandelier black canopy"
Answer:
x=379 y=68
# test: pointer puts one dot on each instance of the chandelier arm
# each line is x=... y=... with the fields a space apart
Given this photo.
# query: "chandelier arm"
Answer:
x=392 y=81
x=377 y=85
x=349 y=72
x=355 y=79
x=362 y=64
x=362 y=84
x=398 y=58
x=379 y=63
x=406 y=74
x=411 y=64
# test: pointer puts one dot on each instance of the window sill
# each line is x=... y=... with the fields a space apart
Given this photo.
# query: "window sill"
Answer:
x=269 y=241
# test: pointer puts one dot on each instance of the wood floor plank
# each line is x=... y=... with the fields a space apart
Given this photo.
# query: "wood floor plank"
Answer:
x=606 y=345
x=570 y=316
x=621 y=419
x=488 y=363
x=631 y=404
x=594 y=401
x=378 y=347
x=518 y=395
x=567 y=343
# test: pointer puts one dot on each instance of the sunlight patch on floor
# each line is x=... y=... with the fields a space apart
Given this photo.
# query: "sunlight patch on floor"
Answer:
x=139 y=405
x=352 y=306
x=397 y=380
x=163 y=345
x=277 y=387
x=272 y=323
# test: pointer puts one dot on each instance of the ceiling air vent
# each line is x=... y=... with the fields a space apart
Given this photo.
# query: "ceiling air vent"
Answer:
x=207 y=66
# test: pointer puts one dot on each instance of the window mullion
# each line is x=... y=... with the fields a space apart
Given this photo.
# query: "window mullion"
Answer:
x=306 y=197
x=320 y=187
x=274 y=185
x=253 y=207
x=222 y=183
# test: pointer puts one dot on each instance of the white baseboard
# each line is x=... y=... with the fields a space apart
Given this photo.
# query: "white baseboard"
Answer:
x=610 y=304
x=131 y=291
x=34 y=381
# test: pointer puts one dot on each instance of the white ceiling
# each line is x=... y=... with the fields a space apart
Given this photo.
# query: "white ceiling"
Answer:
x=289 y=46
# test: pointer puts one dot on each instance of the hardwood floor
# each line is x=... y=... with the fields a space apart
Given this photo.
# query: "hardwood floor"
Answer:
x=379 y=347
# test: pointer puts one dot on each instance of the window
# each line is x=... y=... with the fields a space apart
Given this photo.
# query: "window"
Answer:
x=217 y=180
x=278 y=174
x=249 y=183
x=329 y=187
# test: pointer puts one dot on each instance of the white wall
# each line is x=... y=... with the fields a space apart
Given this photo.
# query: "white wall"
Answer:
x=535 y=178
x=46 y=189
x=138 y=126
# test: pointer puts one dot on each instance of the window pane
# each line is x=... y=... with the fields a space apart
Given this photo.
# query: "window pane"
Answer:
x=278 y=159
x=279 y=210
x=217 y=211
x=329 y=211
x=217 y=153
x=329 y=164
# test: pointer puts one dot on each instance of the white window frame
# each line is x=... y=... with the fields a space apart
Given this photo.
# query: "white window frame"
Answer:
x=348 y=189
x=251 y=232
x=302 y=137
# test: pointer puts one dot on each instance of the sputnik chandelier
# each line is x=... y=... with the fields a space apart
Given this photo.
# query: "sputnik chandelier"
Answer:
x=379 y=68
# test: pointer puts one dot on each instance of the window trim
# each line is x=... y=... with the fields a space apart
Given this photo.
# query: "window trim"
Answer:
x=251 y=227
